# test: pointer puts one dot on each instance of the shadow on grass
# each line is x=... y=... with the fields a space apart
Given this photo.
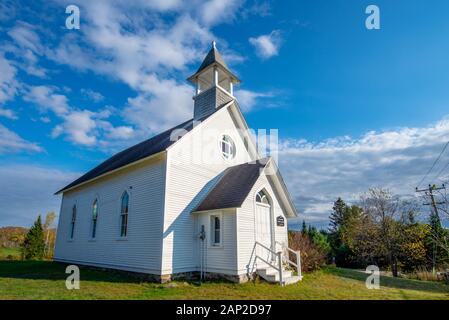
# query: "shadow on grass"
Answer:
x=49 y=270
x=390 y=282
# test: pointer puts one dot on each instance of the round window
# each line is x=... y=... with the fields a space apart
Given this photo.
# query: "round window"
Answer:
x=227 y=147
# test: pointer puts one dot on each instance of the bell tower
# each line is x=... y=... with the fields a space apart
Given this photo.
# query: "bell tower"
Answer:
x=214 y=83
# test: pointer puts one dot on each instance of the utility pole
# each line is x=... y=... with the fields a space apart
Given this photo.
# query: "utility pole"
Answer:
x=433 y=204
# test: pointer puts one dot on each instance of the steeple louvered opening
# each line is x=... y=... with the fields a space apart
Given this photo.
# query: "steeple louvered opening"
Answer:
x=214 y=83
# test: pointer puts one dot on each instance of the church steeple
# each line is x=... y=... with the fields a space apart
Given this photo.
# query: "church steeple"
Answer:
x=214 y=84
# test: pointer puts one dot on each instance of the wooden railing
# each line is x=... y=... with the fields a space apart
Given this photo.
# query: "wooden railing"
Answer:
x=277 y=267
x=296 y=264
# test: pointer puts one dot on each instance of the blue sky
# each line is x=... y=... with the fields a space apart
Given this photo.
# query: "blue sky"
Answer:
x=355 y=108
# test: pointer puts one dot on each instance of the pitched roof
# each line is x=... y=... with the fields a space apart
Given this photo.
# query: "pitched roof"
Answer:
x=212 y=57
x=137 y=152
x=233 y=187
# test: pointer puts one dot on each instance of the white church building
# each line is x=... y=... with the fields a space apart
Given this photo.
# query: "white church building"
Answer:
x=196 y=200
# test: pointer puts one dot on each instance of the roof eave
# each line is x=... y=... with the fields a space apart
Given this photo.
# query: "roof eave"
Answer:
x=234 y=78
x=215 y=209
x=291 y=204
x=65 y=189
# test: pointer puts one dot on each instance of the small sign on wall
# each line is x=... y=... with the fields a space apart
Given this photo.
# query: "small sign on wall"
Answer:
x=280 y=221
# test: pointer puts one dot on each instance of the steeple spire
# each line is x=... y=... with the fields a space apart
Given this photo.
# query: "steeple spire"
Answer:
x=214 y=83
x=214 y=58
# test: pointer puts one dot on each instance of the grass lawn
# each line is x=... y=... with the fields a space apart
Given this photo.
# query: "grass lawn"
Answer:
x=46 y=280
x=4 y=252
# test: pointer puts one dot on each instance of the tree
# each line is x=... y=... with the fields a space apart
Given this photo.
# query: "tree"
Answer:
x=49 y=219
x=337 y=216
x=304 y=227
x=413 y=248
x=33 y=246
x=437 y=242
x=344 y=223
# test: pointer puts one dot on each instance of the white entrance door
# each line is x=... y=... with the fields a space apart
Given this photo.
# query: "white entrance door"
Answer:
x=263 y=231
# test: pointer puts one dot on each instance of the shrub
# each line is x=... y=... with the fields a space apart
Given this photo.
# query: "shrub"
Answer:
x=312 y=257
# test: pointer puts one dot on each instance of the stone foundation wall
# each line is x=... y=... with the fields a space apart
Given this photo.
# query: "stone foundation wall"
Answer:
x=188 y=276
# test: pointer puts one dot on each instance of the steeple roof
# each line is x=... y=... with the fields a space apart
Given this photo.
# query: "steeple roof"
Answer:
x=214 y=58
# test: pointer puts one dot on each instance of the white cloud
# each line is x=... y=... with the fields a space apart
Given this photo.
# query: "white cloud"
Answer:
x=219 y=11
x=8 y=82
x=45 y=119
x=27 y=48
x=122 y=132
x=92 y=95
x=8 y=113
x=81 y=127
x=47 y=99
x=248 y=99
x=10 y=142
x=147 y=57
x=267 y=45
x=28 y=190
x=318 y=173
x=168 y=104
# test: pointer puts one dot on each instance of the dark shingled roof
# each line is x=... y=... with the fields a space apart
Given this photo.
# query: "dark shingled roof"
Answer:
x=137 y=152
x=233 y=187
x=212 y=57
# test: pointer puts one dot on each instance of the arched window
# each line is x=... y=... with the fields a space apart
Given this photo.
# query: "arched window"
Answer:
x=261 y=197
x=124 y=208
x=227 y=147
x=94 y=218
x=72 y=224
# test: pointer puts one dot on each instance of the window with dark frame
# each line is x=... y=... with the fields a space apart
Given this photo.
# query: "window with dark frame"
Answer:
x=124 y=208
x=72 y=224
x=94 y=218
x=227 y=147
x=216 y=230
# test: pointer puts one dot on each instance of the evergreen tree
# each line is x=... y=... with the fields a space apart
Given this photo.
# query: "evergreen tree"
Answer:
x=304 y=227
x=438 y=239
x=338 y=215
x=34 y=243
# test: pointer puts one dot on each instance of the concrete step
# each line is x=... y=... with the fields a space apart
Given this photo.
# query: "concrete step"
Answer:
x=272 y=275
x=292 y=280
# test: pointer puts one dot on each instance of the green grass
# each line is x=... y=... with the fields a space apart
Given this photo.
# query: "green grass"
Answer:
x=5 y=252
x=46 y=280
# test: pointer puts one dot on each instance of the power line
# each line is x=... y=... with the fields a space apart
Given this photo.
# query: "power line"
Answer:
x=434 y=163
x=442 y=170
x=433 y=203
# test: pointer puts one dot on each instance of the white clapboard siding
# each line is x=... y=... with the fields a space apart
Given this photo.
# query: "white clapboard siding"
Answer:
x=223 y=258
x=141 y=251
x=246 y=223
x=188 y=181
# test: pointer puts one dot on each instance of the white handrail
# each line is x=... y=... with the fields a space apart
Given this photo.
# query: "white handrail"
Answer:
x=298 y=258
x=256 y=256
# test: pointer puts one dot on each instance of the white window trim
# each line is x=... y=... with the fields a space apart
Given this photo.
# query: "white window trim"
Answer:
x=231 y=144
x=119 y=236
x=211 y=231
x=92 y=239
